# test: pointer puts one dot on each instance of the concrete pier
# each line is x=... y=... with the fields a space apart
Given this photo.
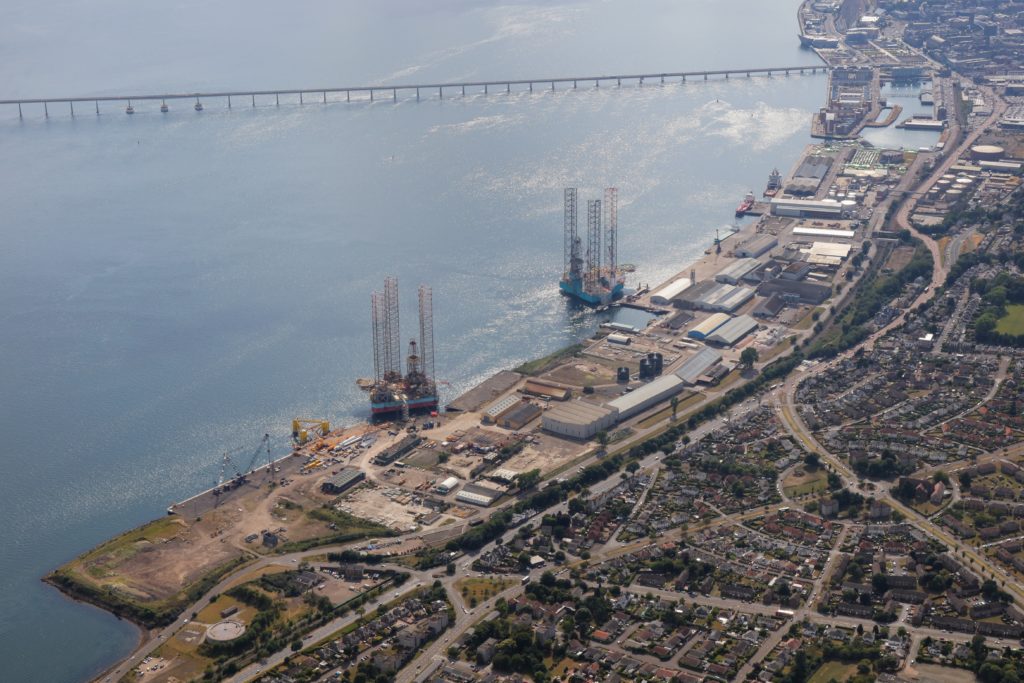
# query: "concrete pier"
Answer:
x=413 y=89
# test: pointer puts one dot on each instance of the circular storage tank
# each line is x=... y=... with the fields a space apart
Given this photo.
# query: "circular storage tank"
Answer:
x=646 y=371
x=987 y=152
x=944 y=182
x=848 y=203
x=622 y=374
x=954 y=195
x=659 y=361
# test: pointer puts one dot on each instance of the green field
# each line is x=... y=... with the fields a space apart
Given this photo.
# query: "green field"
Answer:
x=833 y=670
x=1013 y=322
x=809 y=482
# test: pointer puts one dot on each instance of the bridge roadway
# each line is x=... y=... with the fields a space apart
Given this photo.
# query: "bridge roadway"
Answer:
x=393 y=90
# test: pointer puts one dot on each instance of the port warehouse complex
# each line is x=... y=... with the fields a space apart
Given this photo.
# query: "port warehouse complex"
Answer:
x=790 y=262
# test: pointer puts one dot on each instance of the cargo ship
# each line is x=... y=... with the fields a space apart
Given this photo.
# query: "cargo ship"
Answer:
x=746 y=205
x=774 y=183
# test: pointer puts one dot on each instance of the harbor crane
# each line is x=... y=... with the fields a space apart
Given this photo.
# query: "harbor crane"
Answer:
x=264 y=446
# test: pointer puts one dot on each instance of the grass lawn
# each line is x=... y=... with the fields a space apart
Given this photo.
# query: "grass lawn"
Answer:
x=829 y=670
x=808 y=482
x=482 y=588
x=123 y=546
x=1013 y=322
x=808 y=320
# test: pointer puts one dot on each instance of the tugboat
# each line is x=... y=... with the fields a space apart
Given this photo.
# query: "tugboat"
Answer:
x=746 y=205
x=774 y=183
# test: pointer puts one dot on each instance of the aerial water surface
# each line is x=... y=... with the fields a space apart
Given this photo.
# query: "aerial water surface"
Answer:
x=175 y=285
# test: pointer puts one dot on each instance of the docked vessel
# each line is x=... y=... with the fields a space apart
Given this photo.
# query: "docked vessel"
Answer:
x=774 y=183
x=391 y=391
x=591 y=273
x=746 y=205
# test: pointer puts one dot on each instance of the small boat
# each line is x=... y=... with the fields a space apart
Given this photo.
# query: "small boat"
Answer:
x=129 y=109
x=199 y=106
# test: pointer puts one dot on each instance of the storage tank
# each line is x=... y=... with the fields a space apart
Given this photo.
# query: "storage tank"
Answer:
x=646 y=371
x=987 y=152
x=658 y=362
x=622 y=374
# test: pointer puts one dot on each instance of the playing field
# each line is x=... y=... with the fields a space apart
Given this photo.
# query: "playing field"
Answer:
x=1013 y=321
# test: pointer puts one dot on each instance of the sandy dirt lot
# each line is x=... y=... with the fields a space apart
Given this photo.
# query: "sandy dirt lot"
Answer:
x=932 y=673
x=391 y=506
x=547 y=453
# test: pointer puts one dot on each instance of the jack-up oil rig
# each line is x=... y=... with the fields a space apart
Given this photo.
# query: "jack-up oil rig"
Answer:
x=390 y=391
x=596 y=280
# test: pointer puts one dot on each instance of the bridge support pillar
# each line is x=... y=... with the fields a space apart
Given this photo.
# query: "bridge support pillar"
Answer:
x=463 y=91
x=597 y=83
x=440 y=93
x=618 y=82
x=46 y=110
x=641 y=80
x=552 y=86
x=748 y=74
x=229 y=101
x=371 y=94
x=574 y=85
x=253 y=101
x=20 y=115
x=726 y=75
x=72 y=108
x=683 y=79
x=300 y=99
x=97 y=107
x=417 y=94
x=508 y=88
x=277 y=99
x=705 y=75
x=348 y=95
x=485 y=89
x=531 y=87
x=394 y=94
x=663 y=80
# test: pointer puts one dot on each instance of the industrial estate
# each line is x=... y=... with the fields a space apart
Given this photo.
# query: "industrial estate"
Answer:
x=805 y=466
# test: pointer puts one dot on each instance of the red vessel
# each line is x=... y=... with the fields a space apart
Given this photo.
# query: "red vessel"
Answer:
x=746 y=205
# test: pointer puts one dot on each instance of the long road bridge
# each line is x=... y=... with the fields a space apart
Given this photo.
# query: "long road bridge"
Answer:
x=392 y=91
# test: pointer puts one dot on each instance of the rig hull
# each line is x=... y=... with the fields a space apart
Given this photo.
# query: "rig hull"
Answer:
x=390 y=407
x=589 y=298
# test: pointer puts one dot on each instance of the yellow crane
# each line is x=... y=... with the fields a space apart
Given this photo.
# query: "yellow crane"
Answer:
x=302 y=426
